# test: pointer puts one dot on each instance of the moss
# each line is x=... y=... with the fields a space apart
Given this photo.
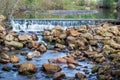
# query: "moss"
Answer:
x=101 y=77
x=95 y=69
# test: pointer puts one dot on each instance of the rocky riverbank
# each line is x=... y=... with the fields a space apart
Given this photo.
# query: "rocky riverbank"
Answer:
x=98 y=45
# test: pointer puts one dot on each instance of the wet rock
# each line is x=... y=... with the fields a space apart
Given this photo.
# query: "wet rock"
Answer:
x=51 y=68
x=30 y=55
x=55 y=33
x=14 y=44
x=58 y=27
x=71 y=46
x=72 y=66
x=14 y=59
x=48 y=38
x=114 y=30
x=42 y=48
x=101 y=77
x=58 y=76
x=63 y=36
x=27 y=68
x=24 y=37
x=61 y=60
x=4 y=58
x=60 y=46
x=80 y=76
x=71 y=60
x=34 y=37
x=9 y=37
x=6 y=68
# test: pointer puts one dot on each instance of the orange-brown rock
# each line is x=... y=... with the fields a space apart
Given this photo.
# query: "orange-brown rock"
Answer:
x=61 y=60
x=14 y=59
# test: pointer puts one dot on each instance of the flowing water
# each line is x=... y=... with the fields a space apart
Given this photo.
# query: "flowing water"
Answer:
x=40 y=75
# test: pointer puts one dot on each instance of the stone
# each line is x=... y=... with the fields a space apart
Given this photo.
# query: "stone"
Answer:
x=6 y=68
x=71 y=39
x=48 y=38
x=63 y=35
x=42 y=48
x=55 y=33
x=51 y=67
x=71 y=46
x=34 y=37
x=58 y=76
x=9 y=37
x=61 y=60
x=80 y=76
x=71 y=60
x=4 y=58
x=30 y=55
x=46 y=33
x=74 y=32
x=27 y=68
x=24 y=37
x=87 y=36
x=72 y=66
x=14 y=44
x=58 y=27
x=60 y=46
x=14 y=59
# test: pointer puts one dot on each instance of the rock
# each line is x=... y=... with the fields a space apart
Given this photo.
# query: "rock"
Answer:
x=73 y=32
x=116 y=73
x=60 y=46
x=34 y=37
x=2 y=17
x=14 y=44
x=71 y=60
x=91 y=52
x=80 y=76
x=51 y=68
x=42 y=48
x=87 y=36
x=46 y=33
x=58 y=76
x=24 y=37
x=6 y=68
x=27 y=68
x=114 y=30
x=55 y=33
x=63 y=35
x=71 y=39
x=71 y=46
x=14 y=59
x=72 y=66
x=4 y=58
x=9 y=37
x=48 y=38
x=30 y=55
x=101 y=77
x=58 y=27
x=61 y=60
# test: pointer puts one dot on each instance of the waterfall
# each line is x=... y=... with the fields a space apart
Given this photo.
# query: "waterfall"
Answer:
x=42 y=24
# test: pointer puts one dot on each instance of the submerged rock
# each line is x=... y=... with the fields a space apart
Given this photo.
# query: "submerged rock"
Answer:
x=80 y=76
x=6 y=68
x=58 y=76
x=51 y=68
x=27 y=68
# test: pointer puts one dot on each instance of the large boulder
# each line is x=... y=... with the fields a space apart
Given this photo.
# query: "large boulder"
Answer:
x=27 y=68
x=51 y=68
x=14 y=44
